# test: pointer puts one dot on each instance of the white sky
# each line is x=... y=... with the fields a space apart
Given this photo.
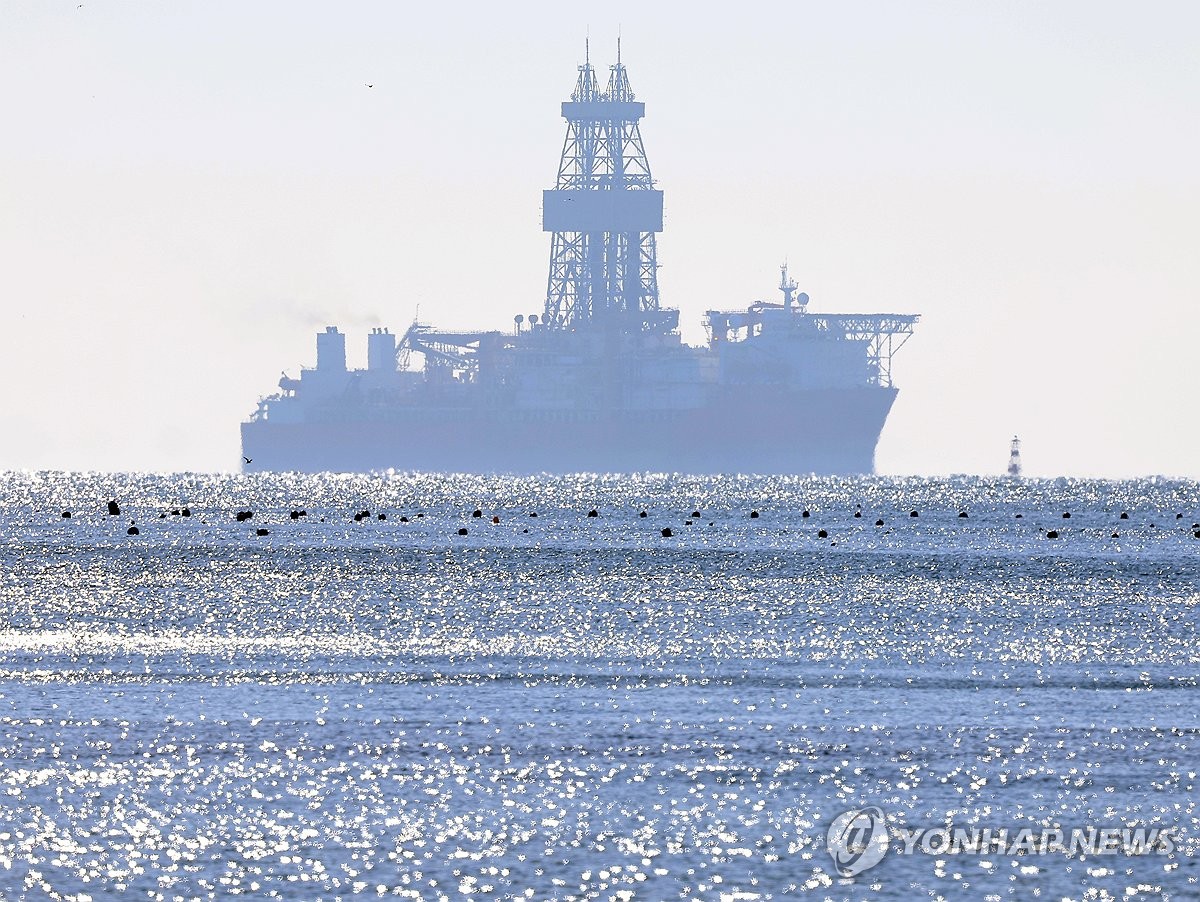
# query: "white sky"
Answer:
x=190 y=189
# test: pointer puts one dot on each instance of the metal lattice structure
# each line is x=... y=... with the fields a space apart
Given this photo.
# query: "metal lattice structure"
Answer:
x=603 y=212
x=884 y=333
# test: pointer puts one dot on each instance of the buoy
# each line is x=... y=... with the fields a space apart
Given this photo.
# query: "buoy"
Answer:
x=643 y=514
x=404 y=519
x=295 y=515
x=114 y=509
x=1116 y=535
x=1020 y=516
x=1124 y=515
x=382 y=517
x=1052 y=534
x=913 y=514
x=66 y=515
x=753 y=515
x=805 y=514
x=878 y=522
x=822 y=534
x=687 y=522
x=1179 y=516
x=962 y=515
x=243 y=516
x=358 y=517
x=132 y=531
x=593 y=513
x=477 y=513
x=462 y=531
x=262 y=532
x=495 y=519
x=1066 y=515
x=857 y=514
x=695 y=515
x=666 y=531
x=186 y=512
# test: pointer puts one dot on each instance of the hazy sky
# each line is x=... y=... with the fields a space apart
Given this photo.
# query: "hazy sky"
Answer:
x=191 y=189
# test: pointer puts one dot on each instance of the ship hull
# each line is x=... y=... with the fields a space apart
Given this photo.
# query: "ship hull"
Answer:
x=832 y=431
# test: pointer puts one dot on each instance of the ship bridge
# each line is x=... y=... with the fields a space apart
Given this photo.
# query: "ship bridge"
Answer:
x=878 y=335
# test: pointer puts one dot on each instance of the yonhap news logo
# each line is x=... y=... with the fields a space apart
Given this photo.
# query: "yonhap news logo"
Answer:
x=860 y=838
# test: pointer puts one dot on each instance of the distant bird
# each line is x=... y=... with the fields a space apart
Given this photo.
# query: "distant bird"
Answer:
x=370 y=86
x=248 y=460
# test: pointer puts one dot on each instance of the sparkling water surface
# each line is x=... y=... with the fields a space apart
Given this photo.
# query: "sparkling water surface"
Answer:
x=579 y=707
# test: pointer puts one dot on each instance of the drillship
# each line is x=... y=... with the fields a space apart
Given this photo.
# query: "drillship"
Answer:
x=601 y=381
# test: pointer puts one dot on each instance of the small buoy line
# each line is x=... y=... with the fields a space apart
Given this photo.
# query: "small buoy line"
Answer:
x=366 y=515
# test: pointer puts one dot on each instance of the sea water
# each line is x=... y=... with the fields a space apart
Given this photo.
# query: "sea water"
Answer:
x=579 y=707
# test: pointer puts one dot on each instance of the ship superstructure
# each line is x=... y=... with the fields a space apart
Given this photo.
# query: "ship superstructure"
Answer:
x=600 y=380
